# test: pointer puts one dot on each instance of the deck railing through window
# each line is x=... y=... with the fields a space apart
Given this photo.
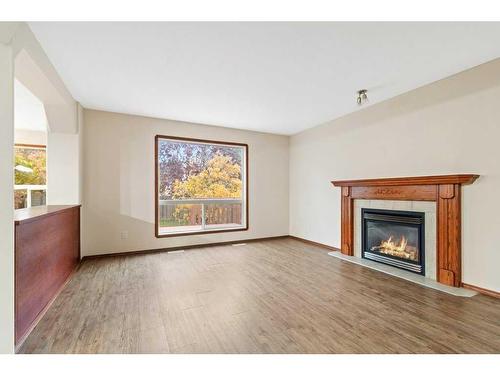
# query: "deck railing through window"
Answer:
x=30 y=195
x=178 y=215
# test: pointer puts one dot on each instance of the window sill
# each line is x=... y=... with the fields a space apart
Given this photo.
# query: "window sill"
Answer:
x=164 y=234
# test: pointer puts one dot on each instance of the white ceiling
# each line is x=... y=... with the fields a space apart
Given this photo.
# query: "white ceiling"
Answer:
x=273 y=77
x=29 y=111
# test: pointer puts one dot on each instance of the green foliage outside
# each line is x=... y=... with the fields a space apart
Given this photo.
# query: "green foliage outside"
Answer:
x=172 y=222
x=34 y=159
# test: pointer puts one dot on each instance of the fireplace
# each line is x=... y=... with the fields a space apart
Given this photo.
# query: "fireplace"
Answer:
x=395 y=238
x=445 y=190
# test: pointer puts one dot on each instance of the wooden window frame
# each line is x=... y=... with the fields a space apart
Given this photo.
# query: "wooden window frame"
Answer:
x=158 y=138
x=29 y=145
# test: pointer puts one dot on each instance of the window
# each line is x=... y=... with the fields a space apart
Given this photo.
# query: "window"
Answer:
x=201 y=186
x=30 y=185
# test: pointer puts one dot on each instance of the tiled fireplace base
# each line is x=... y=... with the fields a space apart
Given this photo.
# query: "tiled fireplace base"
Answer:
x=409 y=276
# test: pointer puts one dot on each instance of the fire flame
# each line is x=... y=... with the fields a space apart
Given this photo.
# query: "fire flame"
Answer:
x=399 y=249
x=393 y=246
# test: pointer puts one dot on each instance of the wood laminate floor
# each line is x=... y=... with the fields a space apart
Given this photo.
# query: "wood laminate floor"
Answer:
x=275 y=296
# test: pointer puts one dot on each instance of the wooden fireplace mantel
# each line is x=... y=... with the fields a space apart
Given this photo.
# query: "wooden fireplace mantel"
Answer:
x=462 y=179
x=444 y=190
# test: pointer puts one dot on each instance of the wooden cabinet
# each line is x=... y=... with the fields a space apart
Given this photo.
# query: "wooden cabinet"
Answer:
x=47 y=251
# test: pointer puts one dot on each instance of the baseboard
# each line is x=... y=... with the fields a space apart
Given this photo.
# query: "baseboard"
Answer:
x=45 y=309
x=478 y=289
x=175 y=248
x=331 y=248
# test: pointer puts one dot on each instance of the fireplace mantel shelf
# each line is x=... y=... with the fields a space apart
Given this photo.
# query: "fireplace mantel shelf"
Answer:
x=462 y=179
x=445 y=190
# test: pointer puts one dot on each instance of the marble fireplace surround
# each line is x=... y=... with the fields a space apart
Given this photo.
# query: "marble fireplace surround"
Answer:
x=442 y=192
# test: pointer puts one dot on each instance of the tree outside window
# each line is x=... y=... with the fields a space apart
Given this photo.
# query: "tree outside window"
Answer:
x=201 y=186
x=30 y=176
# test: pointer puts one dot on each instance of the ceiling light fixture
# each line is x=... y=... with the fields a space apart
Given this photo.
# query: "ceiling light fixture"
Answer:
x=362 y=97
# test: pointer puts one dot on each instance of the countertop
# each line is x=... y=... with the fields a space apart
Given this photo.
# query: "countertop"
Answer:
x=25 y=215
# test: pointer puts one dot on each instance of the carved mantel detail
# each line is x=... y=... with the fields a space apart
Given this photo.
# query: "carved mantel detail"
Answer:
x=444 y=190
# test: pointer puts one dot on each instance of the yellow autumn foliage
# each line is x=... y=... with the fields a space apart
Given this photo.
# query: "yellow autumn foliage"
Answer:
x=220 y=179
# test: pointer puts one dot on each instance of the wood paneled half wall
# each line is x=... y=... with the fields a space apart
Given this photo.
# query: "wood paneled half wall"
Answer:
x=47 y=251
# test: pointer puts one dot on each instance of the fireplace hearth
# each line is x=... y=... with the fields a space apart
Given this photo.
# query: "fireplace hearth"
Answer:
x=395 y=238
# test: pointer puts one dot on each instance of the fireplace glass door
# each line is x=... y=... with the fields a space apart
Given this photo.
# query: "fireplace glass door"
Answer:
x=395 y=238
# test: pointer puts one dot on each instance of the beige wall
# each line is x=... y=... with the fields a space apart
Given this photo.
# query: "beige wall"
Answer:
x=64 y=165
x=452 y=126
x=6 y=199
x=22 y=56
x=63 y=168
x=30 y=137
x=118 y=183
x=35 y=71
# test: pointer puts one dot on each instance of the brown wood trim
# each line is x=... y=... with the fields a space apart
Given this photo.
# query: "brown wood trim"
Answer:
x=159 y=136
x=461 y=179
x=478 y=289
x=347 y=225
x=39 y=317
x=331 y=248
x=184 y=247
x=28 y=145
x=417 y=192
x=247 y=217
x=449 y=218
